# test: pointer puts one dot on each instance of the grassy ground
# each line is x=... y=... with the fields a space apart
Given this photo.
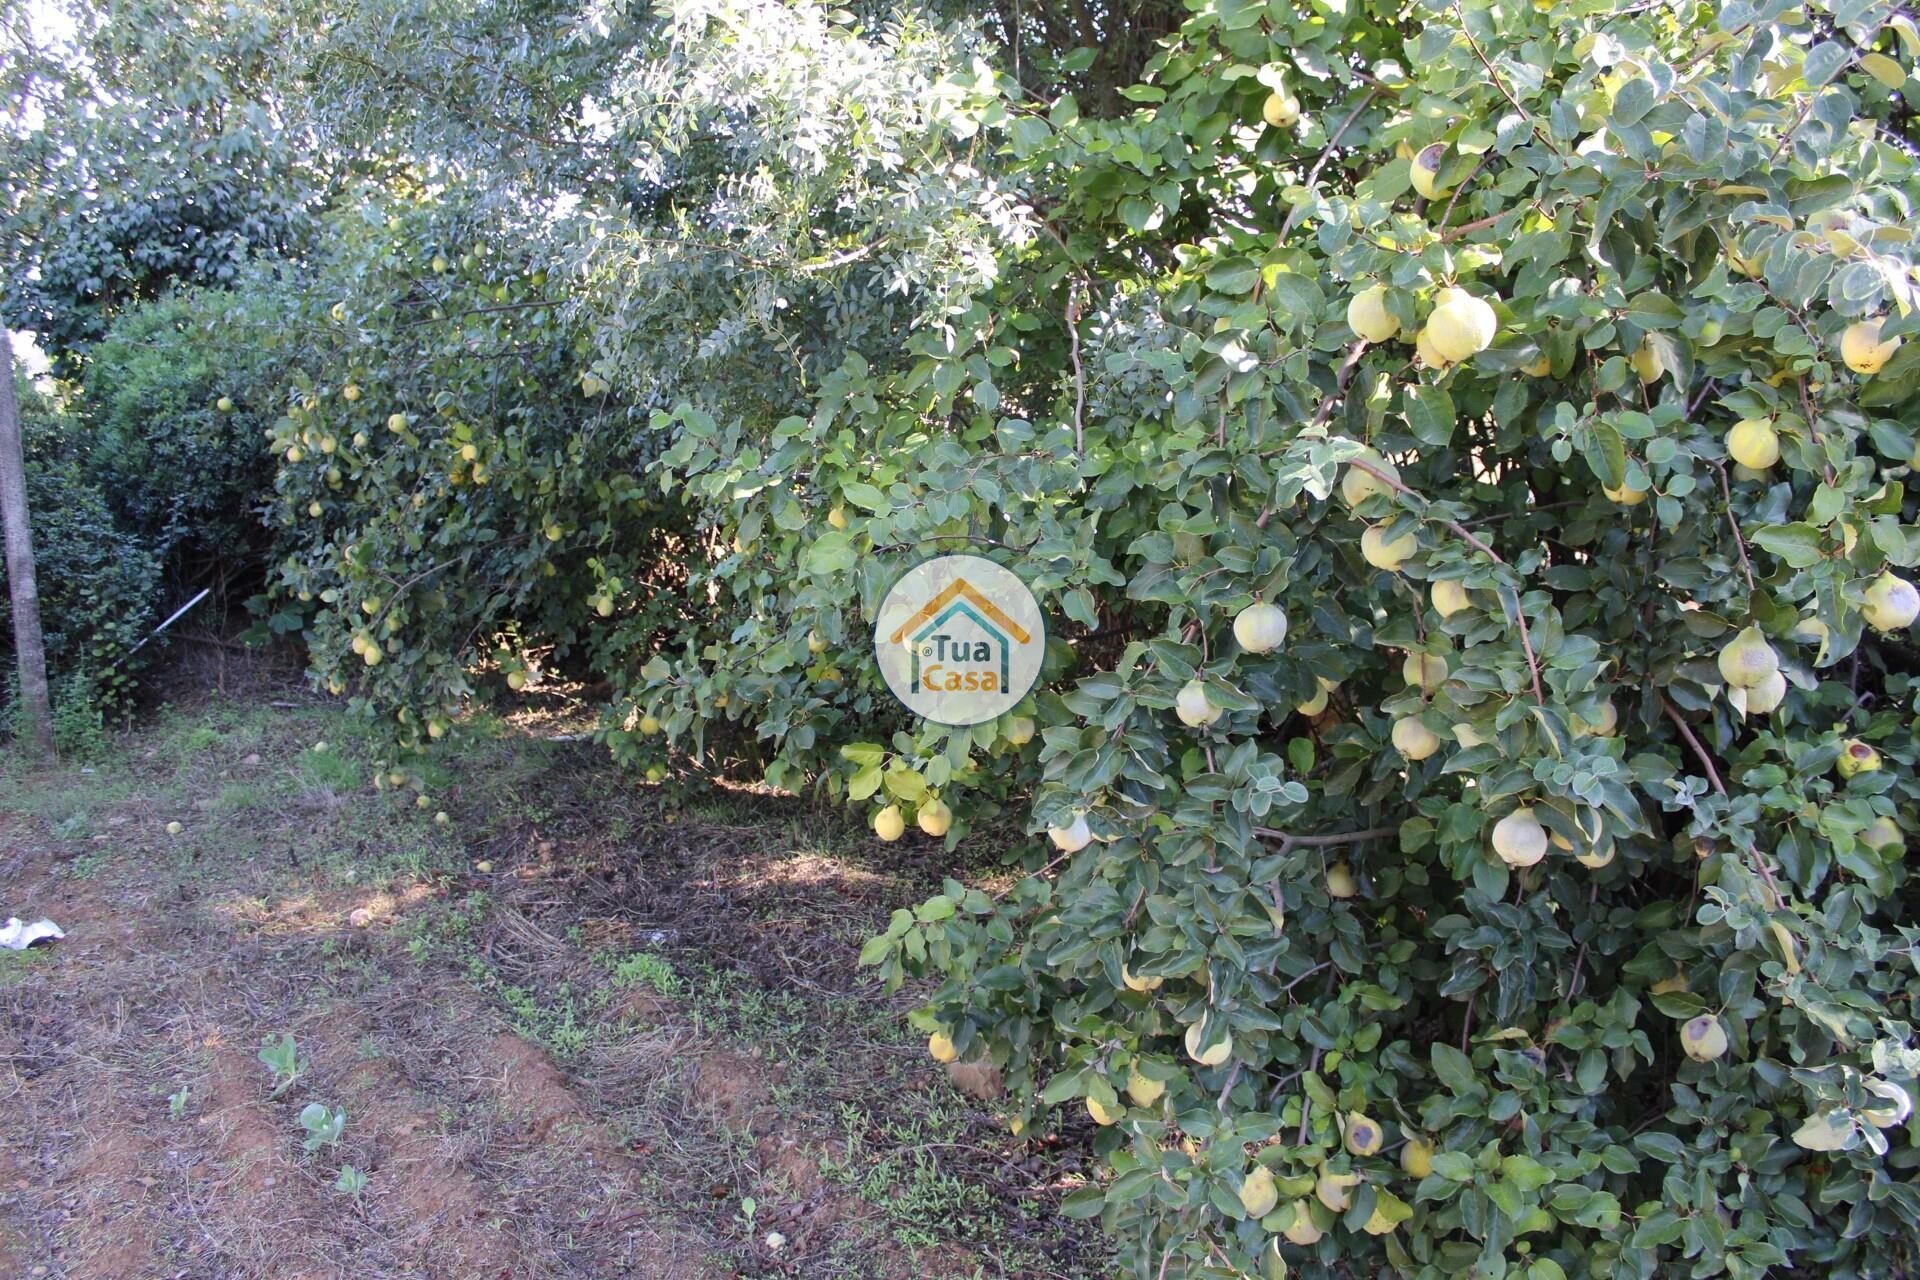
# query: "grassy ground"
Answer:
x=585 y=1029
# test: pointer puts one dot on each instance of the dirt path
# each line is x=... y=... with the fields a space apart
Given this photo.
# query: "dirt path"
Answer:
x=579 y=1032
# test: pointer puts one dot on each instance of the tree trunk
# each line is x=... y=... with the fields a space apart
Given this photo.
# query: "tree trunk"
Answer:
x=29 y=647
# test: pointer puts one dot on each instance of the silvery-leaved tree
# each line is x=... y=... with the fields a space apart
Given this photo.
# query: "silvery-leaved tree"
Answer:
x=1532 y=903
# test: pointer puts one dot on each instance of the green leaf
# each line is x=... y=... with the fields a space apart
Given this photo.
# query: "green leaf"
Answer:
x=1430 y=414
x=1800 y=545
x=1453 y=1068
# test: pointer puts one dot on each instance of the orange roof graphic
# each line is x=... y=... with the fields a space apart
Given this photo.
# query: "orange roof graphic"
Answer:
x=961 y=587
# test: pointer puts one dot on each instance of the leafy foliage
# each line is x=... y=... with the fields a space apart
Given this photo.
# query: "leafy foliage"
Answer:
x=1492 y=927
x=98 y=583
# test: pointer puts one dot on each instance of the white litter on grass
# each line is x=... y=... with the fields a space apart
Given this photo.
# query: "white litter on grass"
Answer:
x=15 y=936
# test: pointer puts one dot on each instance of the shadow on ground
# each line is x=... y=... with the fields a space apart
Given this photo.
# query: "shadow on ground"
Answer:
x=582 y=1029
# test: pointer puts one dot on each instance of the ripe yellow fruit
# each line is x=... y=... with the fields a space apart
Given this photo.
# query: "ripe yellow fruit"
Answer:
x=1258 y=1193
x=359 y=439
x=1862 y=350
x=649 y=724
x=1426 y=353
x=1748 y=659
x=1703 y=1038
x=1856 y=758
x=1368 y=317
x=314 y=508
x=1143 y=1091
x=1594 y=859
x=439 y=264
x=1314 y=705
x=469 y=452
x=1073 y=837
x=1449 y=597
x=396 y=422
x=889 y=824
x=1765 y=698
x=1195 y=709
x=940 y=1045
x=224 y=404
x=1302 y=1230
x=1387 y=553
x=1413 y=739
x=1625 y=495
x=837 y=518
x=1100 y=1114
x=1606 y=722
x=1357 y=484
x=174 y=828
x=1754 y=443
x=1260 y=627
x=1417 y=1157
x=1020 y=730
x=1882 y=834
x=1333 y=1189
x=1891 y=603
x=1538 y=367
x=1519 y=839
x=1211 y=1056
x=1133 y=982
x=295 y=453
x=1461 y=325
x=1425 y=170
x=1340 y=881
x=1426 y=670
x=1378 y=1223
x=1363 y=1136
x=1281 y=109
x=350 y=393
x=1647 y=361
x=935 y=818
x=371 y=655
x=441 y=819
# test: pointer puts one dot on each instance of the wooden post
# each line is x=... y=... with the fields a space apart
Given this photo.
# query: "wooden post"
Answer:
x=29 y=646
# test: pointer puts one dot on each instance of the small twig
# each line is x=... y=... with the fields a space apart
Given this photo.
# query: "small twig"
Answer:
x=1726 y=491
x=1306 y=1104
x=1500 y=84
x=1041 y=872
x=1713 y=776
x=1447 y=215
x=1468 y=228
x=1519 y=613
x=1079 y=375
x=1294 y=215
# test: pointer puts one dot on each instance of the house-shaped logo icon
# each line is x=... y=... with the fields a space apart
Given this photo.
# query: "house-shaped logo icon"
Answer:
x=936 y=641
x=959 y=639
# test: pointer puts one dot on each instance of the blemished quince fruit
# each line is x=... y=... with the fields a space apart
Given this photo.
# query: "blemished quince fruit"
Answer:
x=1101 y=1115
x=1424 y=171
x=1416 y=1157
x=1747 y=659
x=1143 y=1090
x=1862 y=350
x=1891 y=603
x=1856 y=757
x=1703 y=1038
x=1363 y=1134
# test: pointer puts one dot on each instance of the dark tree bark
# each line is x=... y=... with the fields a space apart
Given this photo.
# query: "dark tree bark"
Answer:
x=29 y=647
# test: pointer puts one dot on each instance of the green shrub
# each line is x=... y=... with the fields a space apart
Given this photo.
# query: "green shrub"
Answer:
x=1586 y=955
x=99 y=585
x=185 y=475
